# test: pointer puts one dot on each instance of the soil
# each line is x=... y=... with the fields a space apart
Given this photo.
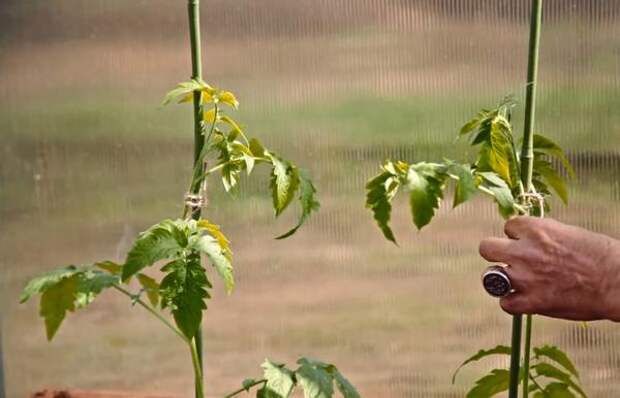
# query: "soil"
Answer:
x=75 y=393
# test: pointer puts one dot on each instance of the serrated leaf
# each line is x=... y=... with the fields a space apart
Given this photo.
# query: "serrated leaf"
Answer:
x=151 y=287
x=425 y=185
x=545 y=145
x=56 y=301
x=161 y=241
x=228 y=98
x=557 y=355
x=219 y=258
x=185 y=91
x=264 y=392
x=474 y=123
x=280 y=380
x=498 y=350
x=552 y=372
x=378 y=200
x=284 y=183
x=46 y=280
x=465 y=187
x=91 y=282
x=315 y=381
x=307 y=200
x=184 y=291
x=501 y=150
x=491 y=384
x=217 y=233
x=228 y=120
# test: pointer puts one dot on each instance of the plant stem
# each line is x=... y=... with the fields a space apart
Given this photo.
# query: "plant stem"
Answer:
x=193 y=347
x=527 y=163
x=515 y=356
x=193 y=10
x=526 y=354
x=245 y=388
x=151 y=310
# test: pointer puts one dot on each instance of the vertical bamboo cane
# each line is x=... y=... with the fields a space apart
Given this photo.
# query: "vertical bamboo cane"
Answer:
x=527 y=151
x=2 y=387
x=193 y=8
x=527 y=163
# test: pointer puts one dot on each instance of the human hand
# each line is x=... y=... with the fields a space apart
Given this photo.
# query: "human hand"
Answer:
x=557 y=270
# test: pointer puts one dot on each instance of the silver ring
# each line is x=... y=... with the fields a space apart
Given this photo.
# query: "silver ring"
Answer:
x=496 y=281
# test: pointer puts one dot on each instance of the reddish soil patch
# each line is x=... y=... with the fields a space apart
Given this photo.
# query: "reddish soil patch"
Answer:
x=74 y=393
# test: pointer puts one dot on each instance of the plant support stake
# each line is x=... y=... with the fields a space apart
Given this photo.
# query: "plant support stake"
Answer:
x=527 y=159
x=193 y=9
x=527 y=155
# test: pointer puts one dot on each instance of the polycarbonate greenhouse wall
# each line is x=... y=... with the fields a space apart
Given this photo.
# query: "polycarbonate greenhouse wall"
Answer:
x=89 y=158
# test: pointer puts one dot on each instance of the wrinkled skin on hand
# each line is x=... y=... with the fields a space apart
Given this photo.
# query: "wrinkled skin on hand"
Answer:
x=558 y=270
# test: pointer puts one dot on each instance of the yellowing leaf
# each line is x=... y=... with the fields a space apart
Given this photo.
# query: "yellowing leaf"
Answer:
x=228 y=98
x=209 y=116
x=151 y=287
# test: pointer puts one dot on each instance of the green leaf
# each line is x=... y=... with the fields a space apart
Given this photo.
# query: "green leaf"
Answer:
x=257 y=148
x=46 y=280
x=500 y=191
x=151 y=287
x=218 y=256
x=498 y=350
x=161 y=241
x=183 y=289
x=552 y=372
x=491 y=384
x=544 y=145
x=56 y=300
x=465 y=184
x=344 y=386
x=552 y=178
x=280 y=381
x=314 y=379
x=557 y=355
x=425 y=185
x=555 y=390
x=284 y=182
x=110 y=266
x=474 y=123
x=65 y=289
x=307 y=200
x=247 y=384
x=379 y=193
x=264 y=392
x=91 y=283
x=215 y=231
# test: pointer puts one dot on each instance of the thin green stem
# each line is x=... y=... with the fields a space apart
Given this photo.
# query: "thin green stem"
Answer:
x=193 y=11
x=515 y=356
x=150 y=309
x=245 y=388
x=526 y=354
x=193 y=347
x=527 y=163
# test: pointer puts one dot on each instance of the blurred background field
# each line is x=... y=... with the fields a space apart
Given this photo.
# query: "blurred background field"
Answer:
x=89 y=158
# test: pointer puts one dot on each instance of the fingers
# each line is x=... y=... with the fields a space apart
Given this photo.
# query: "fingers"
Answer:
x=497 y=249
x=517 y=304
x=519 y=227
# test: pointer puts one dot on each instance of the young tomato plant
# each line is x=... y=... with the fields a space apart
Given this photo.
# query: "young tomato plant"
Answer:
x=182 y=244
x=496 y=172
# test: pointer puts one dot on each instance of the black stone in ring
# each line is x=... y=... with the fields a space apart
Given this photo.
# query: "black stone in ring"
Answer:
x=496 y=281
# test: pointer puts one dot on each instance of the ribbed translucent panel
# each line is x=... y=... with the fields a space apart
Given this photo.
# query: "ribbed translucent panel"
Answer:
x=89 y=158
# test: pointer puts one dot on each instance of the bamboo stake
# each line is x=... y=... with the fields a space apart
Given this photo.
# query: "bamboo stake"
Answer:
x=527 y=163
x=193 y=8
x=527 y=152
